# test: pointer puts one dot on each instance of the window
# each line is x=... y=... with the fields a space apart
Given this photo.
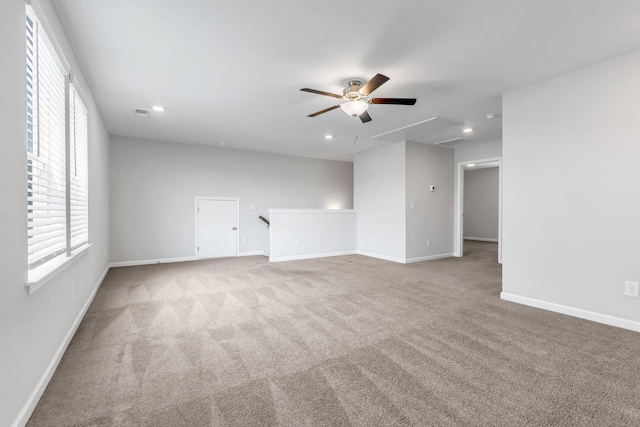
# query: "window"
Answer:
x=78 y=207
x=56 y=145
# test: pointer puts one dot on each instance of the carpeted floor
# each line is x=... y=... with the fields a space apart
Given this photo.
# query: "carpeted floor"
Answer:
x=336 y=342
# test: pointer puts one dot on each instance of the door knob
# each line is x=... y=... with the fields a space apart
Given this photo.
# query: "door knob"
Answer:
x=234 y=228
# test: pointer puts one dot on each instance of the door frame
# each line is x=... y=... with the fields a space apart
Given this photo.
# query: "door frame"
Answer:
x=458 y=230
x=195 y=213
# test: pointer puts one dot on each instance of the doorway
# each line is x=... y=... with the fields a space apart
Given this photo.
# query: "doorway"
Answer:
x=216 y=227
x=460 y=205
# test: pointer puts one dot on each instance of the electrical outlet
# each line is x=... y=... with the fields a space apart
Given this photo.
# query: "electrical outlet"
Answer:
x=429 y=242
x=631 y=289
x=245 y=239
x=298 y=242
x=375 y=241
x=412 y=205
x=72 y=292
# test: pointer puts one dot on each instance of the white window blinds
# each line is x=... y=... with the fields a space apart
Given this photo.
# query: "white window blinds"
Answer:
x=78 y=190
x=57 y=147
x=46 y=170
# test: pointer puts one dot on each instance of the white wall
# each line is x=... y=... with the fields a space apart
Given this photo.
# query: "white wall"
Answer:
x=33 y=328
x=379 y=199
x=318 y=232
x=478 y=151
x=386 y=181
x=154 y=184
x=432 y=215
x=571 y=191
x=481 y=197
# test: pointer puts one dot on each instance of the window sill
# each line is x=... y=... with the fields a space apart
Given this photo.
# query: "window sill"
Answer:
x=41 y=275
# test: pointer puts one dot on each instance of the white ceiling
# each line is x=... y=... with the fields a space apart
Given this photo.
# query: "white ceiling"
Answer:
x=230 y=71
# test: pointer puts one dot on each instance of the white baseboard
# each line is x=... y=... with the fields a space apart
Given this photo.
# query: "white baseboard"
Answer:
x=481 y=239
x=151 y=261
x=381 y=256
x=168 y=260
x=310 y=256
x=252 y=253
x=404 y=260
x=575 y=312
x=26 y=411
x=428 y=258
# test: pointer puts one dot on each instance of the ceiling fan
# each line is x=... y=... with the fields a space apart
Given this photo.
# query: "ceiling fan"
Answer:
x=356 y=95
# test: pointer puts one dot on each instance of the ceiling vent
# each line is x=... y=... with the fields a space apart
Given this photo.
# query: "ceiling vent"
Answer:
x=427 y=131
x=448 y=142
x=141 y=112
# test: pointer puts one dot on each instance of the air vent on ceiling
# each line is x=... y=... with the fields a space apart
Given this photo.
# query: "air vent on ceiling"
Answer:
x=141 y=112
x=447 y=142
x=417 y=131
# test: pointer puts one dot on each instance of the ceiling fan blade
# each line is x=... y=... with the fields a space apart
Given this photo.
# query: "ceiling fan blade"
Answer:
x=365 y=117
x=324 y=111
x=394 y=101
x=373 y=84
x=319 y=92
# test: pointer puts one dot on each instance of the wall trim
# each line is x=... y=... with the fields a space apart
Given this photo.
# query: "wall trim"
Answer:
x=281 y=210
x=481 y=239
x=405 y=260
x=380 y=256
x=428 y=258
x=572 y=311
x=27 y=410
x=310 y=256
x=151 y=261
x=252 y=253
x=170 y=260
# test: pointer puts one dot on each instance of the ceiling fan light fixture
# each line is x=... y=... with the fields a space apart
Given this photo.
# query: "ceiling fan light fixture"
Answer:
x=354 y=108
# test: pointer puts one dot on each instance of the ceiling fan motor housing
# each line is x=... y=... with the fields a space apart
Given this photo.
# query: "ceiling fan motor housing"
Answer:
x=352 y=91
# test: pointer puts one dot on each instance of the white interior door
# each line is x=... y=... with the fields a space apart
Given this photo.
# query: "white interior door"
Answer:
x=217 y=228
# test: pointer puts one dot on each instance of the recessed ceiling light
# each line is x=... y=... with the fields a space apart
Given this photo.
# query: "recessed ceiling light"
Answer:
x=158 y=108
x=471 y=165
x=328 y=137
x=223 y=143
x=467 y=130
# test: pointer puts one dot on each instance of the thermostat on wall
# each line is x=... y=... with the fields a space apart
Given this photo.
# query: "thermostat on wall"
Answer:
x=432 y=188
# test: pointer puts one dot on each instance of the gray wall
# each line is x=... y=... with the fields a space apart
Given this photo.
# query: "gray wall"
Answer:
x=432 y=216
x=32 y=328
x=154 y=185
x=379 y=199
x=481 y=198
x=571 y=207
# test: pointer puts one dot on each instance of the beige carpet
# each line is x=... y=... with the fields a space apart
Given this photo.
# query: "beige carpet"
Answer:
x=344 y=341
